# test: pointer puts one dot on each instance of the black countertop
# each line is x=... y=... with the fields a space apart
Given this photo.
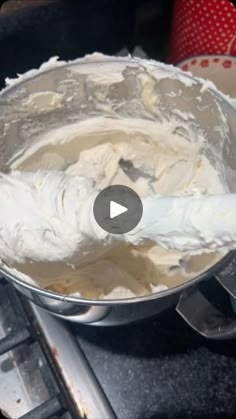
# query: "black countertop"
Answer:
x=161 y=369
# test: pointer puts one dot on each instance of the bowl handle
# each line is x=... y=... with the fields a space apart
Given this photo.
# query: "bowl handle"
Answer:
x=204 y=317
x=227 y=277
x=206 y=314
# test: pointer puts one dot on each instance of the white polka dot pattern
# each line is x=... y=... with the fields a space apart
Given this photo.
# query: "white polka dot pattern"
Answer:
x=202 y=27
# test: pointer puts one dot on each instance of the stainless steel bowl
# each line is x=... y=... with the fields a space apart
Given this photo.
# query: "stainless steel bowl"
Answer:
x=81 y=82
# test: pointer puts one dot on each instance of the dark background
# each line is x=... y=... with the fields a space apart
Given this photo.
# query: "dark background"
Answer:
x=71 y=28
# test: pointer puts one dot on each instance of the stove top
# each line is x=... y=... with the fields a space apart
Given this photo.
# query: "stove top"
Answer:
x=43 y=372
x=157 y=369
x=162 y=369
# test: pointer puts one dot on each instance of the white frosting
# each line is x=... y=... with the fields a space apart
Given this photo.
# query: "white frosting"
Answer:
x=190 y=223
x=43 y=102
x=163 y=71
x=179 y=166
x=46 y=216
x=93 y=147
x=48 y=65
x=54 y=219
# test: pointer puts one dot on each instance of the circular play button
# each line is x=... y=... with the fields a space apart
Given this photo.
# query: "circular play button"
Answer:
x=117 y=209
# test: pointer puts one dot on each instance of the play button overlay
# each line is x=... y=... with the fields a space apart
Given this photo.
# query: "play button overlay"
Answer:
x=118 y=209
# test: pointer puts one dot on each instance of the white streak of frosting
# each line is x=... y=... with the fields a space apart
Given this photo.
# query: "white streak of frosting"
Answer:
x=190 y=223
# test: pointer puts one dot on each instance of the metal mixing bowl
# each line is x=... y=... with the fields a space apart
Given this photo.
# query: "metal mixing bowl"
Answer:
x=82 y=94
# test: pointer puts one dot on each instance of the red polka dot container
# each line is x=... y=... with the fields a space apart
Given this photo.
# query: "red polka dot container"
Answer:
x=202 y=27
x=220 y=69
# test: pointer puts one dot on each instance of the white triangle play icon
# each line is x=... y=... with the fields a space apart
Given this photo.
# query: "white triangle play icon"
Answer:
x=116 y=209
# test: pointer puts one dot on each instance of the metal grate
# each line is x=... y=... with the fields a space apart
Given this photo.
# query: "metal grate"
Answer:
x=23 y=354
x=46 y=410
